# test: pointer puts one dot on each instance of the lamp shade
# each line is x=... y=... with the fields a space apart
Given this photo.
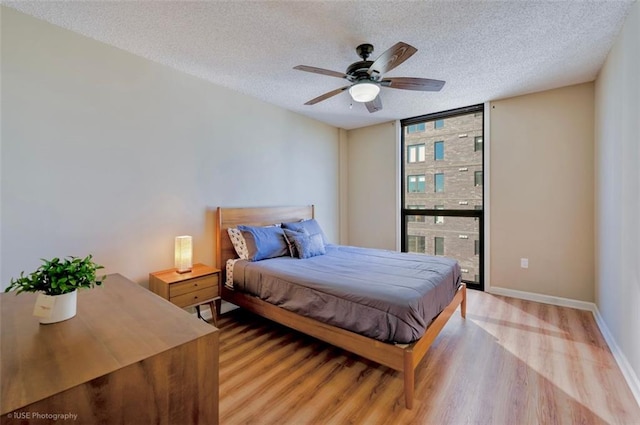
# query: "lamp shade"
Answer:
x=364 y=92
x=183 y=254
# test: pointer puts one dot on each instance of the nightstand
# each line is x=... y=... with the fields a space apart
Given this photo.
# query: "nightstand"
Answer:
x=192 y=289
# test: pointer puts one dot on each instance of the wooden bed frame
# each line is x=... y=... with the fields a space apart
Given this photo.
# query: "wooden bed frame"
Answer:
x=401 y=357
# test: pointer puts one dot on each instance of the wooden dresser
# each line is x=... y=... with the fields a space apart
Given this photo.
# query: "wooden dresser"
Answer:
x=127 y=357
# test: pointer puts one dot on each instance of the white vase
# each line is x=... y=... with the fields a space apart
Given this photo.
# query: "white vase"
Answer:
x=64 y=307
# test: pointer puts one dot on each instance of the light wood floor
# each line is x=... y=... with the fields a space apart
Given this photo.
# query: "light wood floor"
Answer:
x=510 y=362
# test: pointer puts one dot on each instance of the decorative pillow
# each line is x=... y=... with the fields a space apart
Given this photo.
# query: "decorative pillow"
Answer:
x=309 y=245
x=290 y=236
x=264 y=242
x=304 y=245
x=238 y=242
x=230 y=263
x=312 y=226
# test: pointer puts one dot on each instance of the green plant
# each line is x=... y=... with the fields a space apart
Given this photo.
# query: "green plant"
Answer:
x=57 y=277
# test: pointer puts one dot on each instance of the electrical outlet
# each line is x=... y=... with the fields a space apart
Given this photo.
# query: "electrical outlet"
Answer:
x=524 y=263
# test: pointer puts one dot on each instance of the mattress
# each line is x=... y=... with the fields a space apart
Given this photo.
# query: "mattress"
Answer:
x=386 y=295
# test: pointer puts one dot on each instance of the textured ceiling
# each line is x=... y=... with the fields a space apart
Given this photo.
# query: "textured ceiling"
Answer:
x=484 y=50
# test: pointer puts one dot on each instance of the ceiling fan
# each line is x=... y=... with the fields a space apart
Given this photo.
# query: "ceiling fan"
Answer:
x=366 y=77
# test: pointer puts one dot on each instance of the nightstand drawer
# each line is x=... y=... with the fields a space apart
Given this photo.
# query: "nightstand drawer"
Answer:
x=192 y=285
x=195 y=297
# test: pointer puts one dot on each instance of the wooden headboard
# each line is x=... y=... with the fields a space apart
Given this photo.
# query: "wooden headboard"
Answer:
x=260 y=216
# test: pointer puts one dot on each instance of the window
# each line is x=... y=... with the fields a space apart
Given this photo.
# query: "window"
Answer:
x=477 y=208
x=478 y=178
x=416 y=184
x=416 y=244
x=438 y=182
x=438 y=150
x=447 y=145
x=416 y=218
x=438 y=219
x=477 y=144
x=416 y=153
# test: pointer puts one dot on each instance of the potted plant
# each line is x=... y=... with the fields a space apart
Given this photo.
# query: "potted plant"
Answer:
x=58 y=280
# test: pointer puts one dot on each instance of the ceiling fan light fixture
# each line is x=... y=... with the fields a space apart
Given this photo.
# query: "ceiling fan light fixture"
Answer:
x=364 y=92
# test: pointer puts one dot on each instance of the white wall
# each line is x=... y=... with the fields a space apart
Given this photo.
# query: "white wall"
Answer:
x=618 y=193
x=542 y=193
x=344 y=187
x=107 y=153
x=372 y=186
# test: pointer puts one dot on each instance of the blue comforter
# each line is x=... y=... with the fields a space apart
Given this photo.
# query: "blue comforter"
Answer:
x=387 y=295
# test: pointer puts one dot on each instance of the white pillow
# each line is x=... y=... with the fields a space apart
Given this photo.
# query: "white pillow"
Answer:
x=238 y=242
x=230 y=264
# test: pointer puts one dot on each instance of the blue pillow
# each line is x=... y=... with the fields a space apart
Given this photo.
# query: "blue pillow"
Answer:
x=264 y=242
x=311 y=226
x=290 y=236
x=303 y=244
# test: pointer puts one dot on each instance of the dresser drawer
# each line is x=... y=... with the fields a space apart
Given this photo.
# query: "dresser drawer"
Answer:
x=191 y=285
x=195 y=297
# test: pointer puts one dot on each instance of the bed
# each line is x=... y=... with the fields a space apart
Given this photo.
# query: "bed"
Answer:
x=403 y=357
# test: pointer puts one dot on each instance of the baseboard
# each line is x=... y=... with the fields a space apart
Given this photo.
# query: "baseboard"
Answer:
x=627 y=371
x=624 y=365
x=545 y=299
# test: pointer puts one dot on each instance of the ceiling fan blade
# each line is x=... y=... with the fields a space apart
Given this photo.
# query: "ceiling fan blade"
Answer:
x=320 y=71
x=327 y=95
x=408 y=83
x=391 y=58
x=375 y=105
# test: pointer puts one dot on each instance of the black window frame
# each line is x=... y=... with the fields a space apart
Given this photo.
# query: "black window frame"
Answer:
x=477 y=214
x=436 y=217
x=416 y=218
